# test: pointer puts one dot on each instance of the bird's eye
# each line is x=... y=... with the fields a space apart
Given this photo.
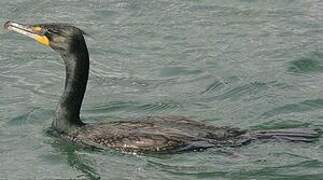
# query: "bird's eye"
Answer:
x=49 y=32
x=46 y=31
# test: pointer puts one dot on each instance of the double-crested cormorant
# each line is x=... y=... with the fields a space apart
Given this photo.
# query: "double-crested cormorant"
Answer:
x=148 y=134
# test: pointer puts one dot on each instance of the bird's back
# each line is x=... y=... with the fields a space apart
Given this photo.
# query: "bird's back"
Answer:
x=155 y=134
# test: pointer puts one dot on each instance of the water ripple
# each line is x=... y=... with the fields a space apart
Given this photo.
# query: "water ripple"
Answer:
x=303 y=106
x=242 y=90
x=309 y=64
x=216 y=85
x=133 y=106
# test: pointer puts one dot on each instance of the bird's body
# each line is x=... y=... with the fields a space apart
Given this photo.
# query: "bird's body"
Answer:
x=148 y=134
x=157 y=134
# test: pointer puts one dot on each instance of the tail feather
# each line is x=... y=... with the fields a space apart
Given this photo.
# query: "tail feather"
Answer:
x=293 y=134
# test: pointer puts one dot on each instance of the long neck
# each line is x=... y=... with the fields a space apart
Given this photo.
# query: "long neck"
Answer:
x=77 y=69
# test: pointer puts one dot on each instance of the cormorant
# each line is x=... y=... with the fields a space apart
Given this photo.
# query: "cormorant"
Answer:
x=148 y=134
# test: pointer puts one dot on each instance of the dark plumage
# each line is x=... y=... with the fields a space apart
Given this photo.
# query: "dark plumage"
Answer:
x=148 y=134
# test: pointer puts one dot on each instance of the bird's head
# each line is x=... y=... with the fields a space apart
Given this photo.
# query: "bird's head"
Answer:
x=60 y=37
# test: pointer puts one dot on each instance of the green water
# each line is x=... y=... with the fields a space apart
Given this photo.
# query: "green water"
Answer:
x=243 y=63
